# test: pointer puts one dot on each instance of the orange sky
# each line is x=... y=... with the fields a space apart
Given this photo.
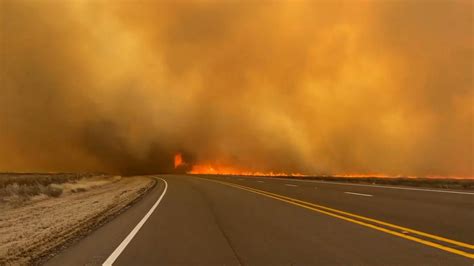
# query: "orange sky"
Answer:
x=313 y=87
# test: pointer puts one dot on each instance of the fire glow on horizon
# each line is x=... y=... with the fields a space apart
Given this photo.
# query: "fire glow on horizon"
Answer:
x=218 y=169
x=209 y=169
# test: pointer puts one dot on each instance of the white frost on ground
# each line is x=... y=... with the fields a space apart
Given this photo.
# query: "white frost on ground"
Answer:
x=35 y=228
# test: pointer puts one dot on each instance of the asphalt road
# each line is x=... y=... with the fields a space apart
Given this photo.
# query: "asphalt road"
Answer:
x=189 y=220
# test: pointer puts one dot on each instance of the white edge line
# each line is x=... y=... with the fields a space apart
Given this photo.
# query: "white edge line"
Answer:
x=376 y=186
x=291 y=185
x=111 y=259
x=358 y=194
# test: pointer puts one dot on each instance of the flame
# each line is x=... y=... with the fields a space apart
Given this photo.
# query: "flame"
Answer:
x=365 y=175
x=216 y=169
x=209 y=169
x=178 y=160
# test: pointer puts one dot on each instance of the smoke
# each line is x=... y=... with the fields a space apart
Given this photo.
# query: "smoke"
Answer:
x=300 y=86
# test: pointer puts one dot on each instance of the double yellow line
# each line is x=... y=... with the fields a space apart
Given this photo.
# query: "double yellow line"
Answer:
x=365 y=221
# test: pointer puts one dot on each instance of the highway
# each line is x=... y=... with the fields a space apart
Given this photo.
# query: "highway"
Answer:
x=231 y=220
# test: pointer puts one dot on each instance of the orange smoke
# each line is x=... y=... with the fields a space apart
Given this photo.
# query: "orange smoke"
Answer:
x=208 y=169
x=178 y=160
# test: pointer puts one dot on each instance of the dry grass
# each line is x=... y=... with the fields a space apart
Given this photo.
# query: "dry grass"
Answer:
x=37 y=226
x=18 y=188
x=36 y=178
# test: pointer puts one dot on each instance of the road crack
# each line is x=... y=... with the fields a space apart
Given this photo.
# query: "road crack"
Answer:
x=217 y=221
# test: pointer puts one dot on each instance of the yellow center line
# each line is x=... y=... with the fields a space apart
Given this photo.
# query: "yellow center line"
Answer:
x=317 y=208
x=439 y=238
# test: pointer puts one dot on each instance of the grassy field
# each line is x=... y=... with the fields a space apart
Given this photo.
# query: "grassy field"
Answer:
x=36 y=217
x=18 y=187
x=39 y=178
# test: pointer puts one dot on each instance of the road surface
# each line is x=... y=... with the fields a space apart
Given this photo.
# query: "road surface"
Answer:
x=192 y=220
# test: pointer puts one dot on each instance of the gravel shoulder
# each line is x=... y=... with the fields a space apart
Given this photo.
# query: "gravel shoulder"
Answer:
x=36 y=228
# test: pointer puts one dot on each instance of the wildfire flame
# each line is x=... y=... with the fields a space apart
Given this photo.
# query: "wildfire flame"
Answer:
x=218 y=169
x=226 y=170
x=209 y=169
x=178 y=160
x=358 y=175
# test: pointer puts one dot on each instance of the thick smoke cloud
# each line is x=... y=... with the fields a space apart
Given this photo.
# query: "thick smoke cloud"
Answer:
x=314 y=87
